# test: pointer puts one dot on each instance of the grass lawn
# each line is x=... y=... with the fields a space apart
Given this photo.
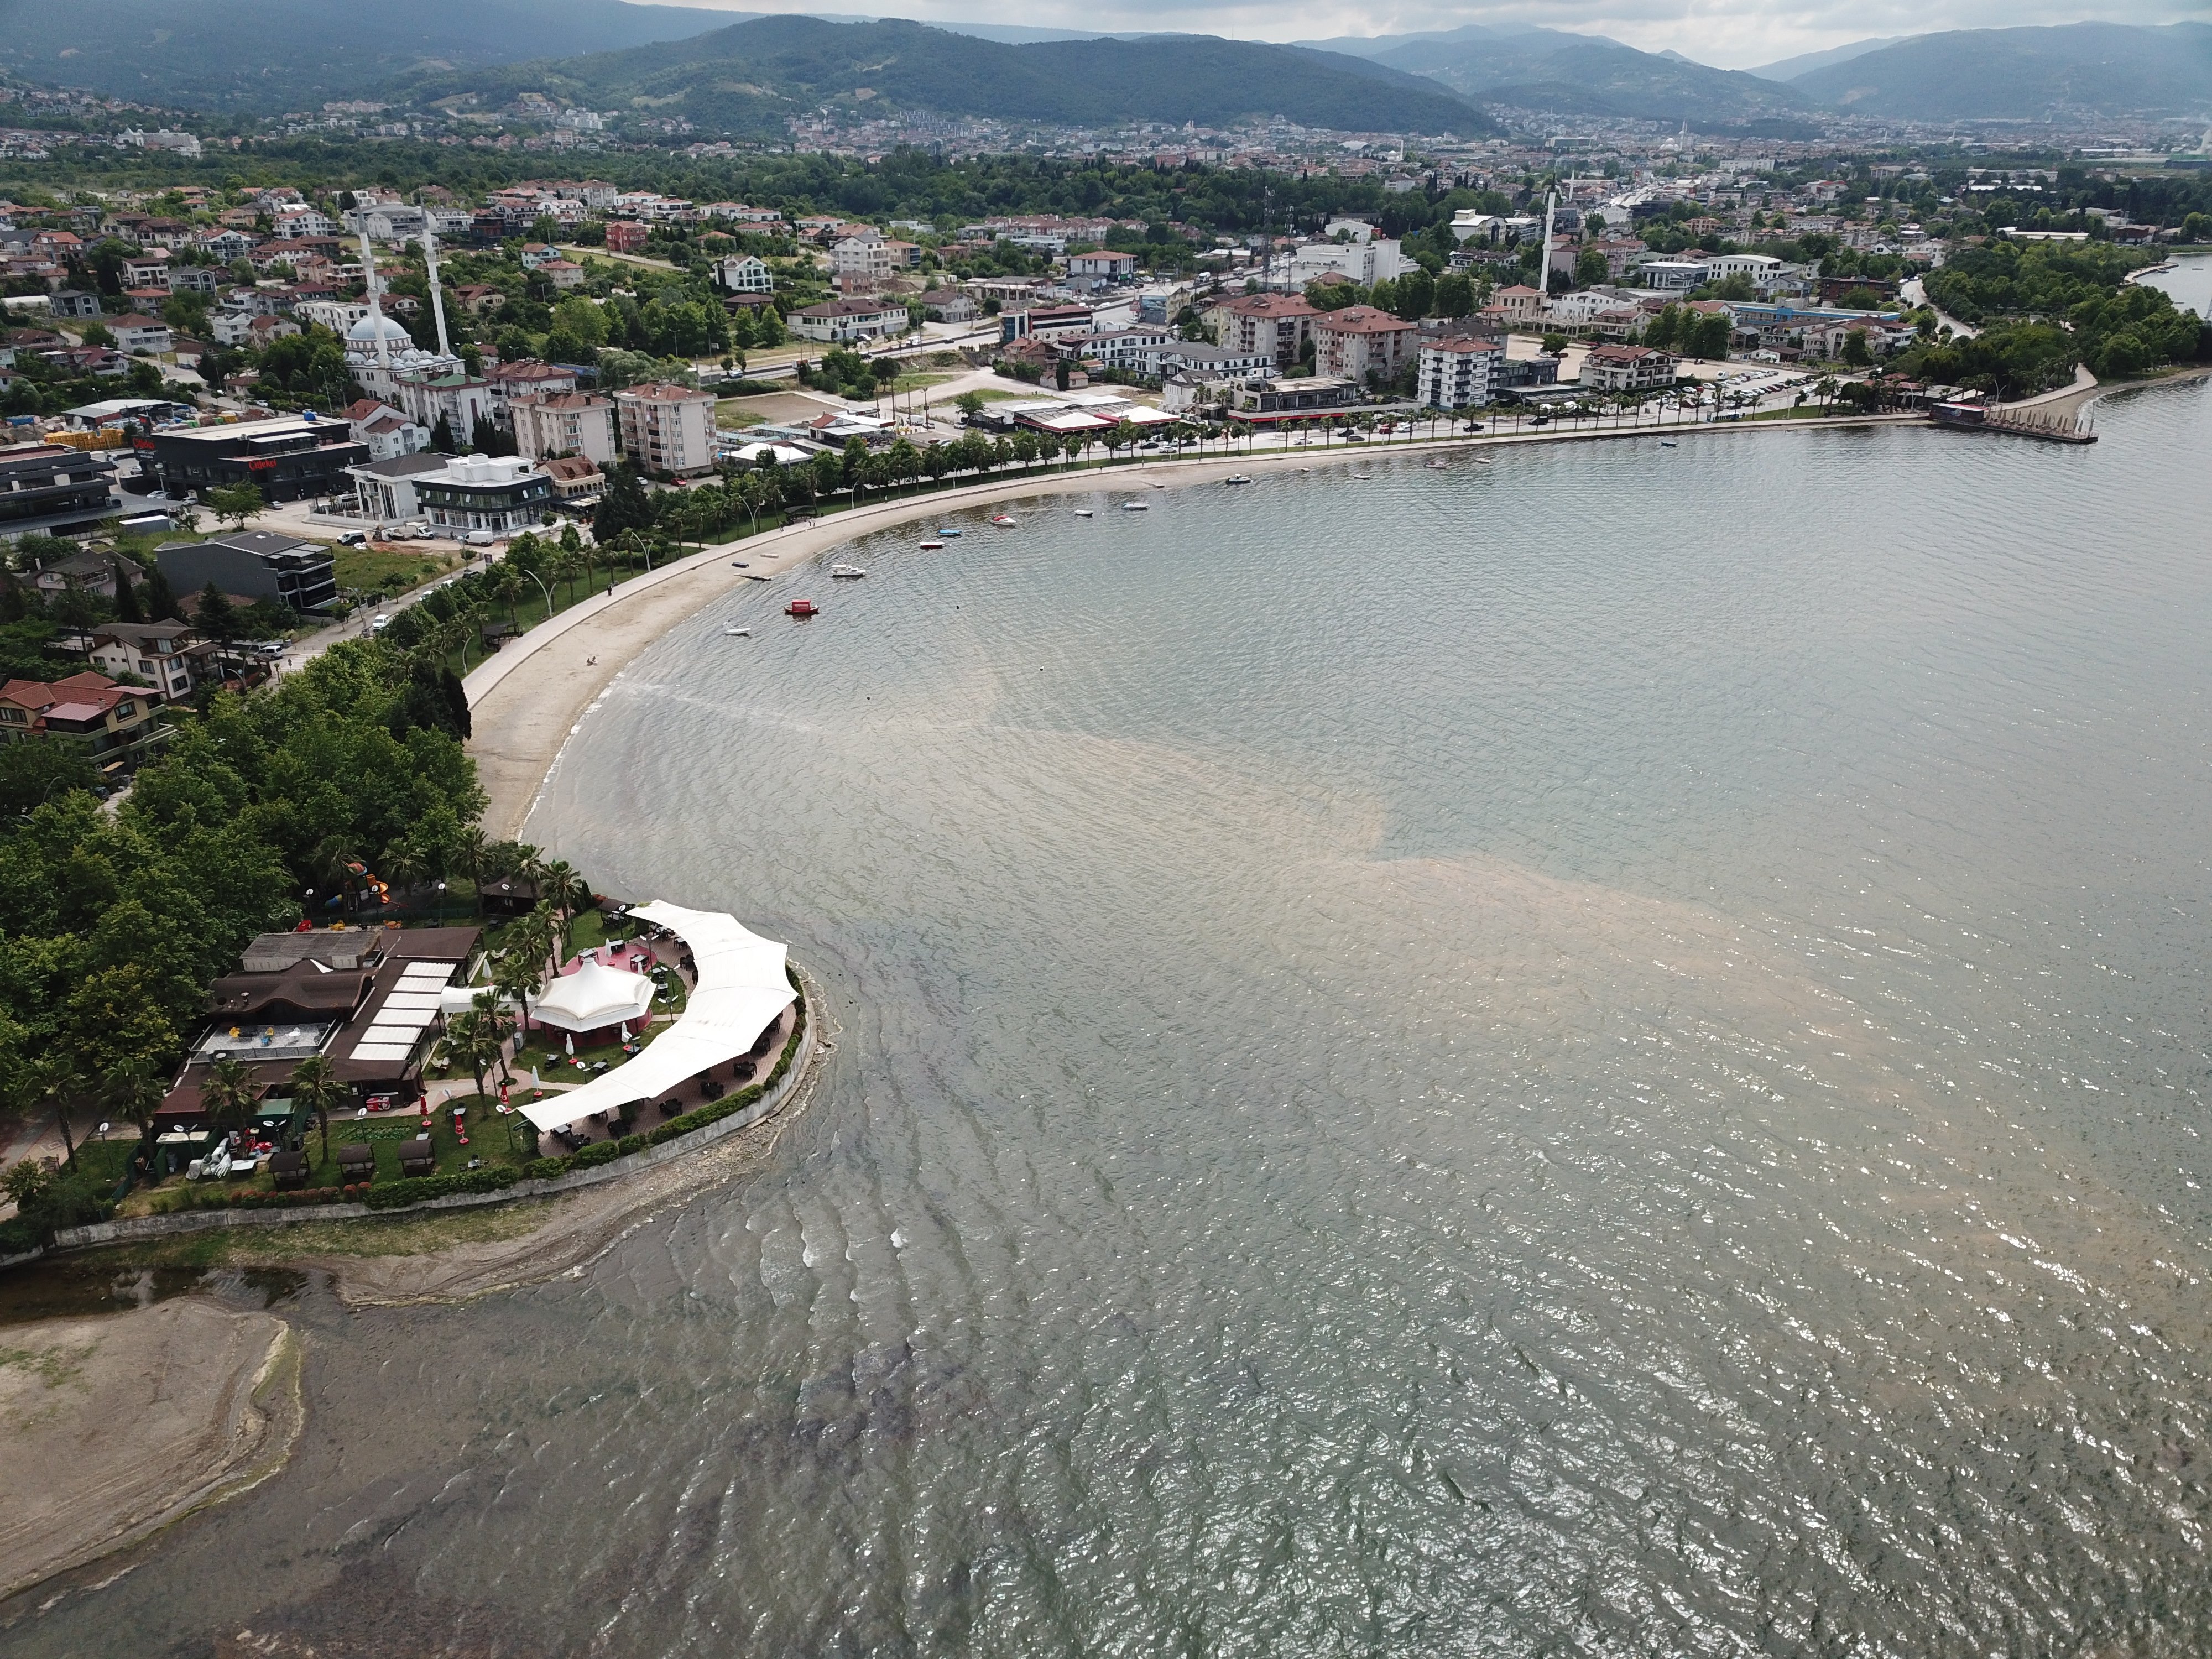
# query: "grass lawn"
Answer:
x=917 y=382
x=392 y=570
x=489 y=1138
x=729 y=413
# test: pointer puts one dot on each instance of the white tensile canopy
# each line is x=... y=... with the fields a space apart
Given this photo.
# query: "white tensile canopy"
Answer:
x=742 y=987
x=592 y=998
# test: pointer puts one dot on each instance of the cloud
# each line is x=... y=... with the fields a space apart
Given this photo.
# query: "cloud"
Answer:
x=1731 y=33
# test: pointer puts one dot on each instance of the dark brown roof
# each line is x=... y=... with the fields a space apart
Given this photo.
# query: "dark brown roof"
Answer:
x=303 y=989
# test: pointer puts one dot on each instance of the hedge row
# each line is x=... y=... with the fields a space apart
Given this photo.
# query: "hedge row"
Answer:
x=413 y=1189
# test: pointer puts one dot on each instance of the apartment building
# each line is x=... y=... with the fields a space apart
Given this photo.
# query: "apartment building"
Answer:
x=564 y=424
x=668 y=428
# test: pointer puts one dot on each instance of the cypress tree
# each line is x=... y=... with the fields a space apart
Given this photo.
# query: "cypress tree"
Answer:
x=127 y=597
x=160 y=605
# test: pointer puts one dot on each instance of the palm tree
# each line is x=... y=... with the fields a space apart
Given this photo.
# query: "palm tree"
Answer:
x=487 y=1041
x=469 y=850
x=134 y=1090
x=515 y=974
x=54 y=1079
x=229 y=1093
x=562 y=887
x=458 y=1047
x=314 y=1084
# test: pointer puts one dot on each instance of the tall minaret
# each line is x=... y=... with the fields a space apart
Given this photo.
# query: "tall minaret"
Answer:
x=1544 y=259
x=437 y=293
x=375 y=308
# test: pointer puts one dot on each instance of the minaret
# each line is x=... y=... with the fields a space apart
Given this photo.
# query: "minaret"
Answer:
x=437 y=293
x=377 y=311
x=1544 y=258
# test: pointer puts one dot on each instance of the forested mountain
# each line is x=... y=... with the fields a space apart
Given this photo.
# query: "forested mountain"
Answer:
x=295 y=54
x=1789 y=69
x=749 y=78
x=1582 y=74
x=2026 y=73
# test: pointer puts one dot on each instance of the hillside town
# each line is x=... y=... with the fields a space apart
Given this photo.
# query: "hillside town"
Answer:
x=375 y=393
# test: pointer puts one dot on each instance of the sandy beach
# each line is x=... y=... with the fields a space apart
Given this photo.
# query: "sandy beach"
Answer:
x=113 y=1427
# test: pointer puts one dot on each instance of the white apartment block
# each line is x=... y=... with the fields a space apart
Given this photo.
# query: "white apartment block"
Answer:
x=564 y=424
x=1459 y=371
x=666 y=428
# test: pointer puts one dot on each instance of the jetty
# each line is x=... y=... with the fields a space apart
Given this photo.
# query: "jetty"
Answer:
x=2059 y=425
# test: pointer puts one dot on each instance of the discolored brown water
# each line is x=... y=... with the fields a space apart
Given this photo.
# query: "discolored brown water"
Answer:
x=1594 y=1052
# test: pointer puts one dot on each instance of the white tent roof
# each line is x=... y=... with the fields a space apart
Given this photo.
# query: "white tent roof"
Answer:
x=742 y=987
x=592 y=998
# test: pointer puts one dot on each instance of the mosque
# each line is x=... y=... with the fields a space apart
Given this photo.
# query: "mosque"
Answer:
x=383 y=358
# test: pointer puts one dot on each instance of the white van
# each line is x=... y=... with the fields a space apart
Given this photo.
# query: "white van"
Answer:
x=480 y=538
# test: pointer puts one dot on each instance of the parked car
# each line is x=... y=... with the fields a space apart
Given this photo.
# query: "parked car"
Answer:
x=353 y=538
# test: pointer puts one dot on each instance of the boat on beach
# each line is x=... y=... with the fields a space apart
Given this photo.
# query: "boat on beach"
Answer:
x=845 y=573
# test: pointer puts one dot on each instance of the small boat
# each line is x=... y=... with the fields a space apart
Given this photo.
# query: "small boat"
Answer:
x=1081 y=512
x=845 y=573
x=1669 y=443
x=739 y=564
x=947 y=534
x=1239 y=477
x=932 y=546
x=1000 y=519
x=1433 y=465
x=733 y=632
x=1136 y=507
x=801 y=608
x=1362 y=478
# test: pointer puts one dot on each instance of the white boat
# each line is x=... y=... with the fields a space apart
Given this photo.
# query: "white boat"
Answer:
x=1238 y=477
x=1136 y=507
x=1361 y=477
x=1081 y=512
x=847 y=573
x=1433 y=465
x=1000 y=519
x=932 y=546
x=733 y=632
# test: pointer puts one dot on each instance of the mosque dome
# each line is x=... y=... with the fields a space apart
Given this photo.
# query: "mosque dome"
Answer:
x=365 y=332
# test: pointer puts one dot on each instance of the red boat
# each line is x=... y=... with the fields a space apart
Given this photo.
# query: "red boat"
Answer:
x=801 y=608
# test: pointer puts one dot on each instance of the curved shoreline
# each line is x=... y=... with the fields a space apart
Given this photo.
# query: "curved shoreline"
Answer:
x=529 y=700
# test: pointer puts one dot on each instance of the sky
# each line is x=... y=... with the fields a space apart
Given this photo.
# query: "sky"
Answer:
x=1731 y=33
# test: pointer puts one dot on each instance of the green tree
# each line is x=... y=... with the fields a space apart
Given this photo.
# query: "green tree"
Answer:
x=441 y=437
x=624 y=506
x=314 y=1084
x=1455 y=295
x=229 y=1094
x=54 y=1082
x=236 y=504
x=1856 y=352
x=134 y=1090
x=1591 y=269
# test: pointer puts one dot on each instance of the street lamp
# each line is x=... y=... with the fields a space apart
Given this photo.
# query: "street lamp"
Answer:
x=442 y=904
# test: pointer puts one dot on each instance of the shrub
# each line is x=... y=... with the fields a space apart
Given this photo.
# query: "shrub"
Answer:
x=545 y=1168
x=599 y=1152
x=395 y=1194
